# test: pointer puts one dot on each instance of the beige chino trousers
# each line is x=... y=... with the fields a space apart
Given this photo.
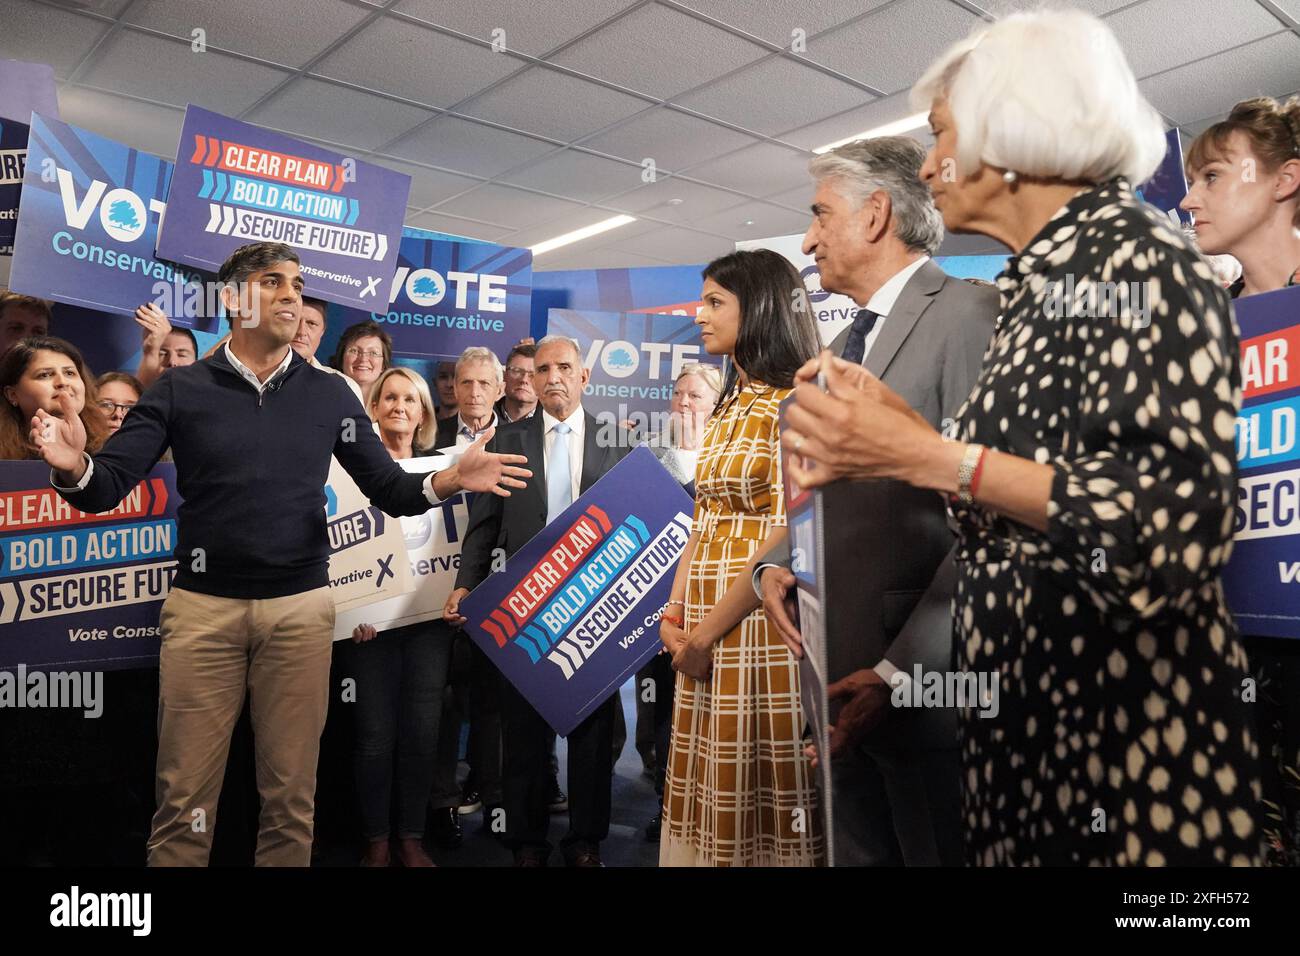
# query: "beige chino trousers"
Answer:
x=213 y=648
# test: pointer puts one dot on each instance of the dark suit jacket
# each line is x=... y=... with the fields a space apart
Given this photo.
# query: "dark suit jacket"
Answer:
x=888 y=545
x=509 y=523
x=446 y=433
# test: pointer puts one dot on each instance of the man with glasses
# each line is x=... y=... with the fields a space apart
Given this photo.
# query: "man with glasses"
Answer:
x=519 y=401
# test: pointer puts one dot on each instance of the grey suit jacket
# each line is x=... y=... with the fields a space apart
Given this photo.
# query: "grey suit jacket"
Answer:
x=888 y=545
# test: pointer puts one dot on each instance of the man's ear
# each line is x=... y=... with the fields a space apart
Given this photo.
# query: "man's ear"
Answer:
x=230 y=298
x=875 y=215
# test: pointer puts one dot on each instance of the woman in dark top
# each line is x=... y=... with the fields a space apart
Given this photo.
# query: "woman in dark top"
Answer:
x=1093 y=474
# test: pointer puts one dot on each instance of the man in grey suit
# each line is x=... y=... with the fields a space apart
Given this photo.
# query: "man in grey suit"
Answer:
x=888 y=546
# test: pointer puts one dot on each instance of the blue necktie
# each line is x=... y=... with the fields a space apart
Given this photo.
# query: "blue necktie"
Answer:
x=559 y=487
x=864 y=320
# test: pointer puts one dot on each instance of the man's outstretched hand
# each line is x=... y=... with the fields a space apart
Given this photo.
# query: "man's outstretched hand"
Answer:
x=61 y=441
x=481 y=470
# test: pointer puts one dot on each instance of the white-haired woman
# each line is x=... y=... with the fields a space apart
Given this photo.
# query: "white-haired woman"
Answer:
x=1093 y=476
x=400 y=673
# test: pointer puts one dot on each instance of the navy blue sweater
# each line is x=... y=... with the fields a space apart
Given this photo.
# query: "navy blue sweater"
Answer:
x=251 y=471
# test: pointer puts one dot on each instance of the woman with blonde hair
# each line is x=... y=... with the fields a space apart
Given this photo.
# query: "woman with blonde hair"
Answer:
x=400 y=673
x=1092 y=476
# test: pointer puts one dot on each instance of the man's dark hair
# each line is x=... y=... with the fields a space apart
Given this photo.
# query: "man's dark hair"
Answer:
x=320 y=305
x=180 y=330
x=19 y=301
x=255 y=257
x=527 y=350
x=775 y=338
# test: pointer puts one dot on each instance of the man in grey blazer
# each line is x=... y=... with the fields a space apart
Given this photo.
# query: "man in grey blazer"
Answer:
x=888 y=546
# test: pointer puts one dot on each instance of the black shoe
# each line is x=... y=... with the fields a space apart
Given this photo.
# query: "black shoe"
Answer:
x=530 y=858
x=446 y=831
x=585 y=857
x=469 y=801
x=558 y=800
x=653 y=828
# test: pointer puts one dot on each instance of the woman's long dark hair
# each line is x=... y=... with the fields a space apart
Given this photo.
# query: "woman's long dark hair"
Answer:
x=14 y=428
x=778 y=333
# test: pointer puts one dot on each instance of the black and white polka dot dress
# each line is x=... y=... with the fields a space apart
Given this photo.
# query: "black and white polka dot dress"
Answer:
x=1120 y=736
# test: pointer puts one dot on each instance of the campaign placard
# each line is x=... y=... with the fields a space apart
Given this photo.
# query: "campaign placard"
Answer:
x=433 y=542
x=447 y=295
x=1262 y=579
x=575 y=612
x=805 y=519
x=634 y=358
x=13 y=165
x=90 y=216
x=78 y=589
x=1167 y=187
x=671 y=290
x=236 y=183
x=367 y=548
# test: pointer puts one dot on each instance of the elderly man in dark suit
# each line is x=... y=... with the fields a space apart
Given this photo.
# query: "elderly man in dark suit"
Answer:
x=894 y=772
x=566 y=441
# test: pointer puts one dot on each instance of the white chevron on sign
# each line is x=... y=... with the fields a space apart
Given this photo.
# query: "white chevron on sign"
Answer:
x=383 y=247
x=8 y=602
x=214 y=214
x=227 y=220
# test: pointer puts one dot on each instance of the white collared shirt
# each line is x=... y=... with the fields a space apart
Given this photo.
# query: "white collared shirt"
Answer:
x=250 y=376
x=578 y=423
x=466 y=436
x=886 y=297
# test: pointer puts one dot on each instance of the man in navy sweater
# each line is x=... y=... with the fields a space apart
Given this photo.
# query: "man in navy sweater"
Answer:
x=251 y=429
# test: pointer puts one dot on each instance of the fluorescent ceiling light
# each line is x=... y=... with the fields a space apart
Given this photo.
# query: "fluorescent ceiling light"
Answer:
x=889 y=129
x=585 y=232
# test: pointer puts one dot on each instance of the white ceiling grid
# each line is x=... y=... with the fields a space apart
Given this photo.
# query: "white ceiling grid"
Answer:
x=522 y=119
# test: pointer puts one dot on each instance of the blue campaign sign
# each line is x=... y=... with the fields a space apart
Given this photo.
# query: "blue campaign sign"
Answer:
x=449 y=294
x=634 y=358
x=13 y=163
x=575 y=612
x=1168 y=187
x=667 y=289
x=1262 y=581
x=80 y=589
x=236 y=183
x=90 y=215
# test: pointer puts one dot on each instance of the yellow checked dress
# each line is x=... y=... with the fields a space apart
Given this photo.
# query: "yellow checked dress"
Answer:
x=739 y=790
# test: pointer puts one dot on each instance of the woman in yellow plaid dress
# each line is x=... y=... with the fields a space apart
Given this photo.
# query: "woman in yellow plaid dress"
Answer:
x=739 y=789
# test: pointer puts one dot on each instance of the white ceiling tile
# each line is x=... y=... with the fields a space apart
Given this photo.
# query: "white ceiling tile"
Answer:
x=457 y=227
x=40 y=34
x=1161 y=34
x=416 y=63
x=1268 y=67
x=177 y=75
x=656 y=199
x=659 y=51
x=677 y=245
x=534 y=28
x=578 y=176
x=775 y=95
x=763 y=220
x=254 y=27
x=578 y=220
x=1099 y=8
x=920 y=31
x=580 y=257
x=854 y=121
x=460 y=145
x=511 y=207
x=428 y=186
x=757 y=170
x=338 y=114
x=776 y=20
x=672 y=139
x=153 y=129
x=528 y=102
